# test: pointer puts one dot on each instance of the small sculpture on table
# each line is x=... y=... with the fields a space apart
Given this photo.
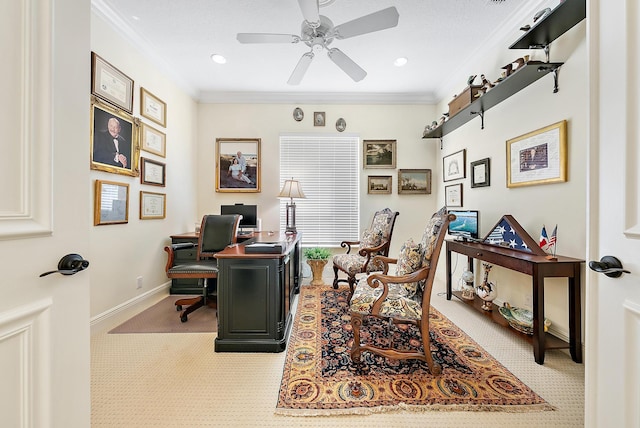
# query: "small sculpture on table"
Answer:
x=466 y=285
x=487 y=291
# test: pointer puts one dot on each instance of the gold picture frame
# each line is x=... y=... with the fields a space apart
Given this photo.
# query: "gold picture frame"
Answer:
x=111 y=203
x=153 y=108
x=379 y=184
x=414 y=181
x=245 y=177
x=153 y=140
x=109 y=124
x=538 y=157
x=153 y=206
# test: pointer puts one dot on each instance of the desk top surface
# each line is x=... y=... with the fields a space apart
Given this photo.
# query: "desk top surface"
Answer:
x=466 y=247
x=286 y=241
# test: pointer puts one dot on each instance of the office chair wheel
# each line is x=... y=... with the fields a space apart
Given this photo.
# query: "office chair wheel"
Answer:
x=178 y=308
x=183 y=318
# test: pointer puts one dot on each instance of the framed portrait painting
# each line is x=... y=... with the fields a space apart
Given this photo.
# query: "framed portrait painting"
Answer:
x=111 y=203
x=111 y=84
x=480 y=173
x=414 y=181
x=379 y=154
x=539 y=157
x=114 y=140
x=379 y=184
x=453 y=166
x=238 y=165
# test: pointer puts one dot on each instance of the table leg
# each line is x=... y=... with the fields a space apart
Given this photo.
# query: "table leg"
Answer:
x=448 y=274
x=575 y=316
x=538 y=316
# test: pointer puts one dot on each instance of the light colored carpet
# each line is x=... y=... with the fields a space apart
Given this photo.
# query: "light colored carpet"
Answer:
x=163 y=318
x=177 y=380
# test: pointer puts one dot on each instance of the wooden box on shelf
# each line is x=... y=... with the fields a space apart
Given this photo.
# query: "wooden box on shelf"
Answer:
x=465 y=98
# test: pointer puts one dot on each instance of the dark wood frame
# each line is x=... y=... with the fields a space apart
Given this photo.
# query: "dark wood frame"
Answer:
x=486 y=163
x=460 y=159
x=144 y=179
x=101 y=74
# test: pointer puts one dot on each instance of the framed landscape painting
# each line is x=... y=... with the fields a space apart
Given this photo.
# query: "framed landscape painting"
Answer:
x=238 y=165
x=379 y=184
x=379 y=154
x=414 y=181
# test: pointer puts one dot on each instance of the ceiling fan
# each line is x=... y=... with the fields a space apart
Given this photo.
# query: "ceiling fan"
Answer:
x=318 y=32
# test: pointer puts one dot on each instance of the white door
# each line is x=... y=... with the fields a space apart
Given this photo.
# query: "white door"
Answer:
x=613 y=304
x=45 y=212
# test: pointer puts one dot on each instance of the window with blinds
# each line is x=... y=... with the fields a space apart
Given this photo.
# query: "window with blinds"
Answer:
x=327 y=168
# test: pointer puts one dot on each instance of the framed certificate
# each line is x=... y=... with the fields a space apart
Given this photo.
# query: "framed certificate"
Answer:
x=111 y=84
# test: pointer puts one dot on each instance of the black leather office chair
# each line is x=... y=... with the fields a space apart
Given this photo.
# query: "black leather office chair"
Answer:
x=216 y=233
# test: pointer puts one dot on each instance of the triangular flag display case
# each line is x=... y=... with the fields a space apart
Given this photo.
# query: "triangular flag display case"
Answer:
x=508 y=233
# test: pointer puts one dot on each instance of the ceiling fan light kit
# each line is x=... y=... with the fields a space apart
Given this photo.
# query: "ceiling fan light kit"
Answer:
x=317 y=32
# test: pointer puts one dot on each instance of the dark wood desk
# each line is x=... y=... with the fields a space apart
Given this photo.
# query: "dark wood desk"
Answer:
x=255 y=294
x=539 y=268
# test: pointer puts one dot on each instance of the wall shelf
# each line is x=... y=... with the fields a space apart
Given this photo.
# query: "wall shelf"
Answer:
x=520 y=79
x=540 y=35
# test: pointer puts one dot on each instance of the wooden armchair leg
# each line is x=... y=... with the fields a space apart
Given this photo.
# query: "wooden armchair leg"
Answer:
x=335 y=278
x=356 y=323
x=434 y=368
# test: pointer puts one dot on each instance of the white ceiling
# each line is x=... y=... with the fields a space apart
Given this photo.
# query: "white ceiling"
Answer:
x=437 y=37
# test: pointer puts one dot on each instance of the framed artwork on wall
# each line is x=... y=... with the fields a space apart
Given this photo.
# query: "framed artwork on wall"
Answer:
x=152 y=172
x=111 y=203
x=152 y=107
x=480 y=173
x=414 y=181
x=153 y=141
x=238 y=165
x=114 y=140
x=319 y=118
x=379 y=184
x=539 y=157
x=453 y=166
x=453 y=195
x=379 y=154
x=111 y=84
x=152 y=205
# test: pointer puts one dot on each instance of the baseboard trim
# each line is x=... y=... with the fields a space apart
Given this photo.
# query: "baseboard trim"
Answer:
x=135 y=304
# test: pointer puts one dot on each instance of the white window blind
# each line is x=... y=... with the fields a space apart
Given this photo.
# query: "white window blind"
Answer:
x=327 y=168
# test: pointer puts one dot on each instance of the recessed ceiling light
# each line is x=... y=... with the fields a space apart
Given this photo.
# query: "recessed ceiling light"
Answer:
x=400 y=62
x=218 y=59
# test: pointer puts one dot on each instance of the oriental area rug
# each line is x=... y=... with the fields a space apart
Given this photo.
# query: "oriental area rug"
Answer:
x=319 y=377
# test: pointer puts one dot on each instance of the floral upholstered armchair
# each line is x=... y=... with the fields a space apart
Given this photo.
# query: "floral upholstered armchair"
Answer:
x=404 y=298
x=375 y=241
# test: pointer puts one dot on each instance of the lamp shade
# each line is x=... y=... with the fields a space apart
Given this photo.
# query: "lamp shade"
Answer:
x=291 y=189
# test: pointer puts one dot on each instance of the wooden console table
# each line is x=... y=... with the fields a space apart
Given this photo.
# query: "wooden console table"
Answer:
x=539 y=268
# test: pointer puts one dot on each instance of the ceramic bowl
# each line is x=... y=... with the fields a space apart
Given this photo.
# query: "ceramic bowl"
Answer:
x=520 y=319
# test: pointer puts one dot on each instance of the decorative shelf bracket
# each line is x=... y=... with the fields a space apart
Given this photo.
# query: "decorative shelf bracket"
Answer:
x=481 y=114
x=553 y=69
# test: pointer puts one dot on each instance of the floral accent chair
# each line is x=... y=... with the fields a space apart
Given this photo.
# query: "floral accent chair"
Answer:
x=375 y=241
x=404 y=298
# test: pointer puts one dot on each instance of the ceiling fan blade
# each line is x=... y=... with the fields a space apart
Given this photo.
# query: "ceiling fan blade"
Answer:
x=381 y=20
x=267 y=38
x=301 y=69
x=346 y=64
x=310 y=10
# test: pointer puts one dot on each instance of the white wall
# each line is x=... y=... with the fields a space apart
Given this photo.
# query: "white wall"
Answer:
x=120 y=253
x=403 y=123
x=563 y=204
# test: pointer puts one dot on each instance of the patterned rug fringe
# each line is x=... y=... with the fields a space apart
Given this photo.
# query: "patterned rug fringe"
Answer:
x=413 y=408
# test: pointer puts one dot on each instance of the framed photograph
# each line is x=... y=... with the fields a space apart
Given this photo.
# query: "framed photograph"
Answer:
x=152 y=205
x=152 y=172
x=111 y=205
x=453 y=195
x=318 y=118
x=111 y=84
x=539 y=157
x=379 y=154
x=480 y=173
x=153 y=108
x=152 y=140
x=414 y=181
x=453 y=166
x=379 y=184
x=114 y=140
x=298 y=114
x=341 y=124
x=238 y=165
